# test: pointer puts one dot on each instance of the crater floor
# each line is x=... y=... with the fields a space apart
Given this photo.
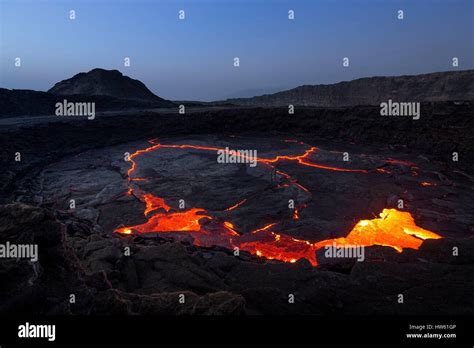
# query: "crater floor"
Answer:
x=180 y=213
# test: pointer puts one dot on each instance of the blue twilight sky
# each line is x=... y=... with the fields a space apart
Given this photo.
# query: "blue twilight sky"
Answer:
x=193 y=58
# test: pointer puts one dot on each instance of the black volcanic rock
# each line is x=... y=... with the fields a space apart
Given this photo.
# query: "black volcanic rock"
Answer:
x=16 y=102
x=108 y=89
x=105 y=82
x=43 y=287
x=20 y=102
x=440 y=86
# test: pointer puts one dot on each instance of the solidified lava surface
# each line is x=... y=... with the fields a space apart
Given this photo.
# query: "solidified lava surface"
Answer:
x=181 y=214
x=394 y=228
x=297 y=199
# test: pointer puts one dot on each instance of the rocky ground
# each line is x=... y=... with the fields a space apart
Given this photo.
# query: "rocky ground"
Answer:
x=80 y=254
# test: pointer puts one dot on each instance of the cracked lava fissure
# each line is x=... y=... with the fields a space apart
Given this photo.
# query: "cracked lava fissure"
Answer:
x=393 y=228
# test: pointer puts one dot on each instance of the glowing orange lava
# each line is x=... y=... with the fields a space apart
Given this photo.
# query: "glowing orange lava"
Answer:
x=425 y=183
x=393 y=228
x=235 y=206
x=400 y=162
x=154 y=203
x=382 y=170
x=295 y=214
x=171 y=222
x=302 y=159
